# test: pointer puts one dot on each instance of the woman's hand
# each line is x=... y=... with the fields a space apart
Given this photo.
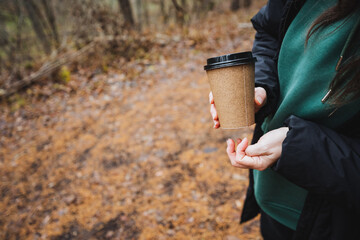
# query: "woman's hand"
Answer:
x=259 y=156
x=260 y=101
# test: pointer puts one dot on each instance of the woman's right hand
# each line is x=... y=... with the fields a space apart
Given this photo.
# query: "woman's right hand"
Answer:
x=260 y=101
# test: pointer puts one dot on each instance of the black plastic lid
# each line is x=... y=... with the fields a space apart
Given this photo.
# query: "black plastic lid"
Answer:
x=229 y=60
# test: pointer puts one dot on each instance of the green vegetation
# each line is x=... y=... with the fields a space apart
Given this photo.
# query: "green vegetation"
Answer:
x=64 y=74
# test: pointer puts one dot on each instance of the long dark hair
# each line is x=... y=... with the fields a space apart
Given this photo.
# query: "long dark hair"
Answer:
x=345 y=87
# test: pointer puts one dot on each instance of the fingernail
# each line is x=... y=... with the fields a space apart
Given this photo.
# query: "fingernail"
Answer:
x=259 y=99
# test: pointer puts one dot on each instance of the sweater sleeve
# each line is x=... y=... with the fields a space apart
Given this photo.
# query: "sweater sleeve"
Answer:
x=322 y=161
x=266 y=23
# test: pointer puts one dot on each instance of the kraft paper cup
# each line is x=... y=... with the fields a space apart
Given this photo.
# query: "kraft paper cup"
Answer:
x=231 y=79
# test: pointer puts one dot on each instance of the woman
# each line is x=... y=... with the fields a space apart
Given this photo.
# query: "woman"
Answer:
x=305 y=157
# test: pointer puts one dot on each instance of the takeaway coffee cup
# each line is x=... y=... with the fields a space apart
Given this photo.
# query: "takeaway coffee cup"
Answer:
x=231 y=79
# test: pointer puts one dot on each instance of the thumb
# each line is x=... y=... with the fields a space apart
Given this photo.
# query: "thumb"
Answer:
x=254 y=150
x=260 y=96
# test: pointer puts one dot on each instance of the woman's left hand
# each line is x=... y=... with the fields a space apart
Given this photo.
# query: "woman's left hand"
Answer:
x=259 y=156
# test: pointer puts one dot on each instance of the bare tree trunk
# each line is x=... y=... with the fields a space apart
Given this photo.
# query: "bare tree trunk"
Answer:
x=197 y=7
x=247 y=3
x=49 y=11
x=164 y=13
x=235 y=5
x=203 y=6
x=184 y=4
x=4 y=37
x=210 y=4
x=38 y=24
x=146 y=12
x=180 y=12
x=126 y=10
x=18 y=51
x=139 y=8
x=5 y=43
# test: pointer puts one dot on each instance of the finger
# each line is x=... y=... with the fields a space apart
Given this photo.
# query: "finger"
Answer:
x=242 y=160
x=232 y=154
x=238 y=140
x=216 y=124
x=211 y=98
x=257 y=149
x=240 y=150
x=230 y=150
x=213 y=112
x=260 y=96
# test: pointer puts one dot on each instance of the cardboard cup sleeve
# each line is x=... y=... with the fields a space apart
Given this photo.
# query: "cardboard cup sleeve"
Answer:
x=231 y=79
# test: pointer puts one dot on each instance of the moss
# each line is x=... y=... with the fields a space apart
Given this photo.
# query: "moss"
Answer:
x=29 y=65
x=64 y=74
x=105 y=68
x=17 y=102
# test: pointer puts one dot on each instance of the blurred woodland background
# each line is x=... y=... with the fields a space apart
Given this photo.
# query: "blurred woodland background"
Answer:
x=105 y=131
x=41 y=34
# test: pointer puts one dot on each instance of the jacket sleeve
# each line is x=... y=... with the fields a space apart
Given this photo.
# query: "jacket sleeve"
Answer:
x=266 y=44
x=322 y=160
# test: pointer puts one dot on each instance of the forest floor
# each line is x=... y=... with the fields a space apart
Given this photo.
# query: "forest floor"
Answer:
x=128 y=152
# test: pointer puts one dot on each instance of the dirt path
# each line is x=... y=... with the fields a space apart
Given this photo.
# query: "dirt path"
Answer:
x=128 y=160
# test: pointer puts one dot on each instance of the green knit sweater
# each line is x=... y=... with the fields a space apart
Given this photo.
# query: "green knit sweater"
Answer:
x=304 y=77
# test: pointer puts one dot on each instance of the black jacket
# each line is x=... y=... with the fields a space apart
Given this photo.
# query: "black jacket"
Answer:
x=324 y=161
